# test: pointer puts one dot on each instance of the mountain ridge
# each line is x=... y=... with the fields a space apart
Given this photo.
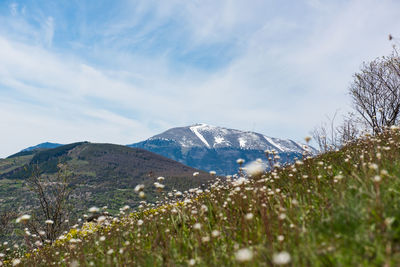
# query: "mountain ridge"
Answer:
x=213 y=148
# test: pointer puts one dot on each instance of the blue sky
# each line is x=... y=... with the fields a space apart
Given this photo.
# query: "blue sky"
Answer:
x=121 y=71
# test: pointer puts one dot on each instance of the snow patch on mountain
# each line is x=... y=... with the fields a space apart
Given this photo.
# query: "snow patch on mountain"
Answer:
x=195 y=130
x=242 y=142
x=274 y=144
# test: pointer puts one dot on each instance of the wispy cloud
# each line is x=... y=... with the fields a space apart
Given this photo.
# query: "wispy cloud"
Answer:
x=121 y=73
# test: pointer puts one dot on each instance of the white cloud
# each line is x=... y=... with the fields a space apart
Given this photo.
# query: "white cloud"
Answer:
x=289 y=72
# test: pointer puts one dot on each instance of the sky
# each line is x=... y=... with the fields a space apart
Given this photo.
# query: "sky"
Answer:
x=122 y=71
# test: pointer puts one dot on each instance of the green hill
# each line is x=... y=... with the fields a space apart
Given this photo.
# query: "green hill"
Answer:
x=102 y=174
x=338 y=209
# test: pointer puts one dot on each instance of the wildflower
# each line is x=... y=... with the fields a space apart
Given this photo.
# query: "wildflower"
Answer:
x=16 y=262
x=281 y=238
x=205 y=239
x=338 y=177
x=240 y=161
x=384 y=173
x=49 y=222
x=196 y=174
x=281 y=258
x=282 y=216
x=213 y=173
x=174 y=211
x=139 y=188
x=158 y=185
x=23 y=218
x=215 y=233
x=110 y=251
x=204 y=208
x=124 y=208
x=192 y=262
x=142 y=194
x=101 y=219
x=373 y=166
x=243 y=255
x=102 y=238
x=139 y=222
x=197 y=226
x=255 y=168
x=94 y=209
x=160 y=178
x=377 y=178
x=249 y=216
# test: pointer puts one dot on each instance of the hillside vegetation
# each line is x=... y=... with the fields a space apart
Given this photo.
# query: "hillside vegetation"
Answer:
x=340 y=208
x=101 y=174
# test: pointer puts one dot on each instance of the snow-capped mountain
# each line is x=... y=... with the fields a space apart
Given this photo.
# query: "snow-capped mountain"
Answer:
x=213 y=137
x=216 y=148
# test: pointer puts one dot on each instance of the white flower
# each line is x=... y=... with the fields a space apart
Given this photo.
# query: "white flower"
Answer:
x=49 y=222
x=110 y=251
x=15 y=262
x=243 y=255
x=373 y=166
x=281 y=258
x=197 y=226
x=23 y=218
x=102 y=238
x=249 y=216
x=204 y=208
x=94 y=209
x=124 y=208
x=213 y=173
x=101 y=219
x=377 y=178
x=196 y=174
x=160 y=178
x=240 y=161
x=205 y=239
x=158 y=185
x=215 y=233
x=139 y=188
x=139 y=222
x=192 y=262
x=255 y=168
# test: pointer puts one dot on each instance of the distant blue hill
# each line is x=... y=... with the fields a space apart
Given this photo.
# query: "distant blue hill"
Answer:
x=45 y=145
x=31 y=150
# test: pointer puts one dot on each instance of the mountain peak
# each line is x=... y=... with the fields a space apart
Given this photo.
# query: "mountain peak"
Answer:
x=215 y=137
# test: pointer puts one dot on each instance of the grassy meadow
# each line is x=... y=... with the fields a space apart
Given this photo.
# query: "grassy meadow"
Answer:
x=340 y=208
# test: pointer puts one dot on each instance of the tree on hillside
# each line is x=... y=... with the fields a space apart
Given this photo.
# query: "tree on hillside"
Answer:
x=6 y=217
x=376 y=92
x=52 y=194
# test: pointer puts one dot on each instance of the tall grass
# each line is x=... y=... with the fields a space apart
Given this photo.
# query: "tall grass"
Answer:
x=341 y=208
